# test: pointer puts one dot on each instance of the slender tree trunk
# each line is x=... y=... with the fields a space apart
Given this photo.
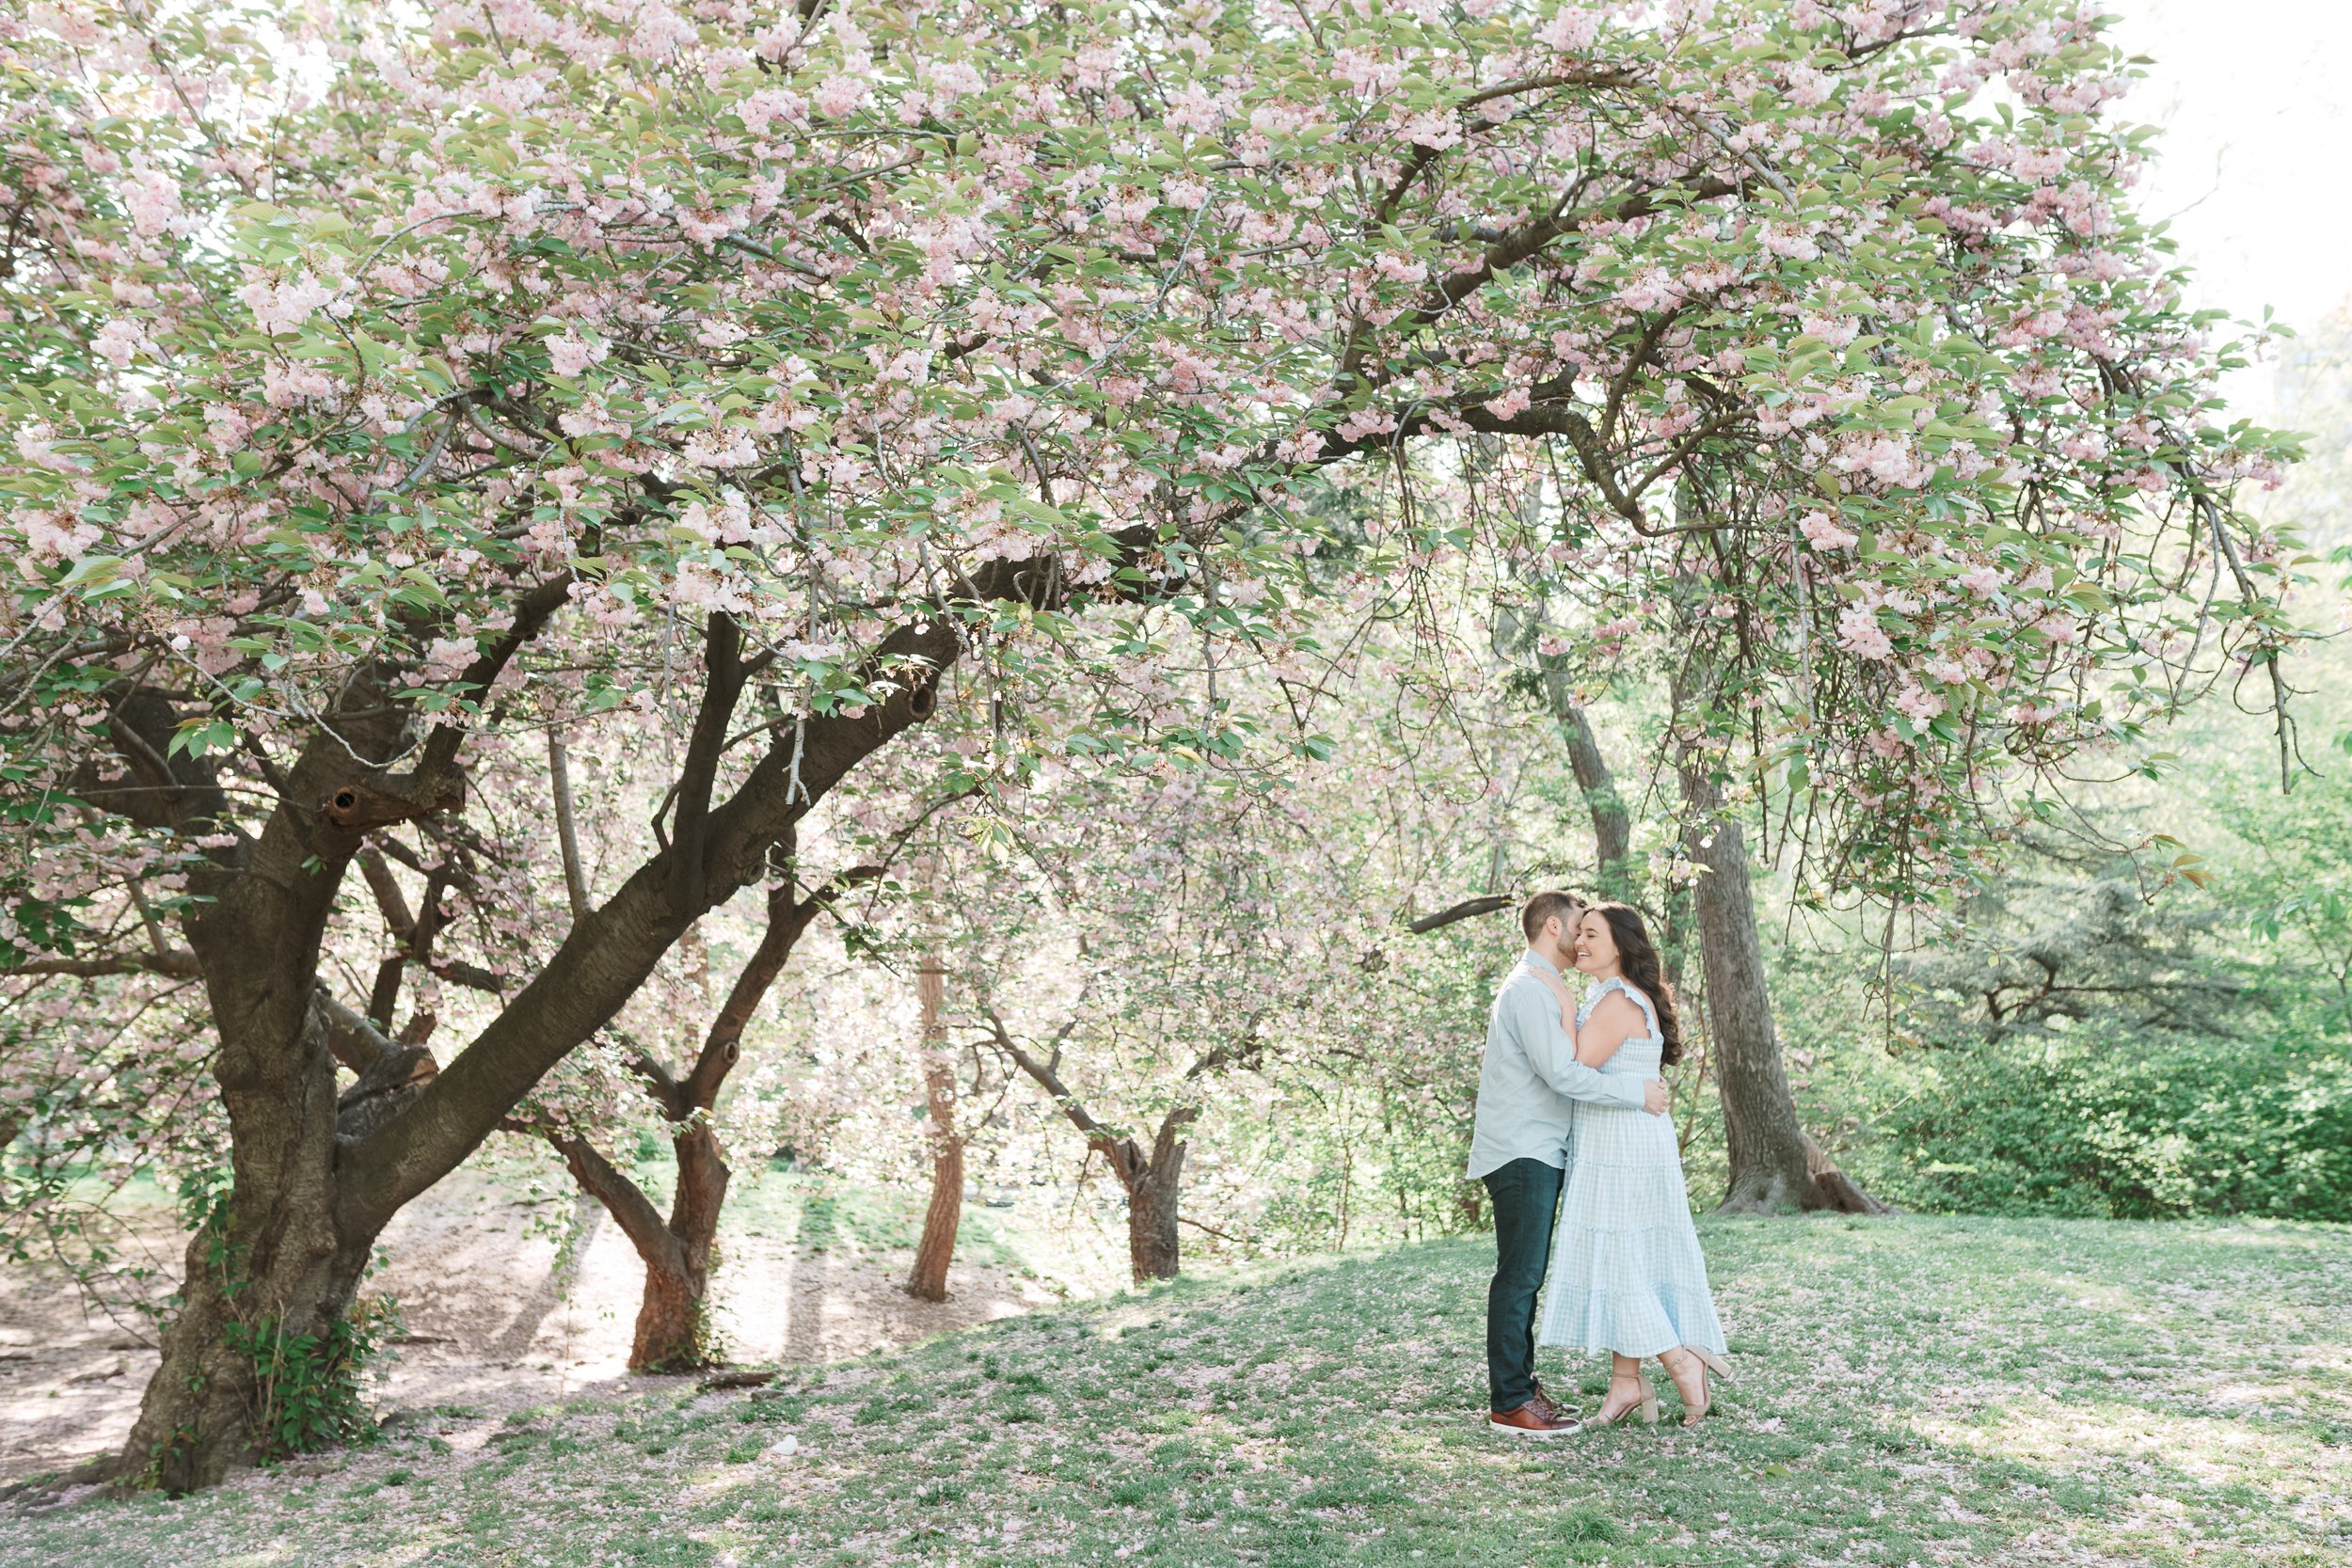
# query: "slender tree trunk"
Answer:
x=943 y=1215
x=1469 y=1205
x=1766 y=1142
x=1153 y=1186
x=1674 y=933
x=1613 y=824
x=928 y=1280
x=1153 y=1178
x=567 y=835
x=674 y=1331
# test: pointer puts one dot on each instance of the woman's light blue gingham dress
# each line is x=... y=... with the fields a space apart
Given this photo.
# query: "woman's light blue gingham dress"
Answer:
x=1626 y=1271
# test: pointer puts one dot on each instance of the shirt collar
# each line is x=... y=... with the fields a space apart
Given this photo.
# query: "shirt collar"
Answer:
x=1542 y=966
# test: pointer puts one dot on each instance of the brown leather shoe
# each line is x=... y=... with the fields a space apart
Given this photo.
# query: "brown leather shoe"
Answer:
x=1528 y=1421
x=1546 y=1405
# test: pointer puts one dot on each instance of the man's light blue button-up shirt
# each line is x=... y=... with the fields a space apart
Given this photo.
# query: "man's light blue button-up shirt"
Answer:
x=1529 y=1081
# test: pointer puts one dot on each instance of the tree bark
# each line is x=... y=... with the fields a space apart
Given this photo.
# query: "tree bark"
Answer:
x=278 y=1255
x=672 y=1330
x=273 y=1256
x=1613 y=821
x=1152 y=1180
x=715 y=850
x=1152 y=1191
x=1613 y=824
x=314 y=1182
x=1774 y=1166
x=567 y=833
x=928 y=1279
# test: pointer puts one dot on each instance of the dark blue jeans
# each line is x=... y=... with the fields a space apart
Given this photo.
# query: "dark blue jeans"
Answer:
x=1526 y=1199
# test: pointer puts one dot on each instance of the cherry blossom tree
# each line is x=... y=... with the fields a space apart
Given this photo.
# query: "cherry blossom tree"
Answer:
x=383 y=381
x=1126 y=955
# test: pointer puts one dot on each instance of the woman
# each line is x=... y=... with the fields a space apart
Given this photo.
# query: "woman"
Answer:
x=1627 y=1275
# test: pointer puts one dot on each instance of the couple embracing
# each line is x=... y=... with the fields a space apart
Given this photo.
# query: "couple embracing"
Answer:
x=1570 y=1096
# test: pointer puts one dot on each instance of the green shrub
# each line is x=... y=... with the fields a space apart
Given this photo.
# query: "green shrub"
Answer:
x=309 y=1386
x=2108 y=1126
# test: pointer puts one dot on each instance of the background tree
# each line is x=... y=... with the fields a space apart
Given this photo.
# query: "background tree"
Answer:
x=944 y=1212
x=1153 y=898
x=673 y=1332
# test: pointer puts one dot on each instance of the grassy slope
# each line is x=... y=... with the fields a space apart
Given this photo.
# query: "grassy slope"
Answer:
x=1915 y=1391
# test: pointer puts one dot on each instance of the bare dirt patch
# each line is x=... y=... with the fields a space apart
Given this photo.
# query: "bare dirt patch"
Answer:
x=496 y=1318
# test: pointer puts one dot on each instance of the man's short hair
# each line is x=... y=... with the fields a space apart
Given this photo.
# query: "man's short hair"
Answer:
x=1543 y=906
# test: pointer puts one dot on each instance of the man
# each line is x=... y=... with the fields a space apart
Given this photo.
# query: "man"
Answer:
x=1527 y=1089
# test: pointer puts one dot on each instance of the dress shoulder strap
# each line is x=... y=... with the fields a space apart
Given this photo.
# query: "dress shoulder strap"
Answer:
x=1592 y=998
x=1649 y=1009
x=1617 y=983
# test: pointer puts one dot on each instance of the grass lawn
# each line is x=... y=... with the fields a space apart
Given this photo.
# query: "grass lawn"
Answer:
x=1909 y=1390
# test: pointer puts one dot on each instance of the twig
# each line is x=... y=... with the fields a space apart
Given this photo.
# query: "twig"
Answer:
x=575 y=879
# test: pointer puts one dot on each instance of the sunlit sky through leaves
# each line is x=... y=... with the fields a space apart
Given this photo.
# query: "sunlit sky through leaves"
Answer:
x=2255 y=99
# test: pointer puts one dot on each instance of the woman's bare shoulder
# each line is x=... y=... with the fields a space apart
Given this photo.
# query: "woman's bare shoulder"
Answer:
x=1615 y=1009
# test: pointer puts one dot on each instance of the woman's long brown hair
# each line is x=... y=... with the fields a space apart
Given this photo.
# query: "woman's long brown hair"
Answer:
x=1637 y=956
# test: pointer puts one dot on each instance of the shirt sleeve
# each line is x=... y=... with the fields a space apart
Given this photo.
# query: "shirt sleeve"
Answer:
x=1534 y=1015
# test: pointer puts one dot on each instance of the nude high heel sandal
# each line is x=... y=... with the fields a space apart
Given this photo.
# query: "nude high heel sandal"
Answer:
x=1689 y=1369
x=1647 y=1404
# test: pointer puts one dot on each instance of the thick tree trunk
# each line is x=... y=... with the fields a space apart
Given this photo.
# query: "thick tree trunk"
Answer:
x=276 y=1258
x=1151 y=1242
x=1766 y=1143
x=282 y=1259
x=928 y=1279
x=674 y=1331
x=1835 y=1189
x=281 y=1256
x=206 y=1414
x=1774 y=1166
x=274 y=1266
